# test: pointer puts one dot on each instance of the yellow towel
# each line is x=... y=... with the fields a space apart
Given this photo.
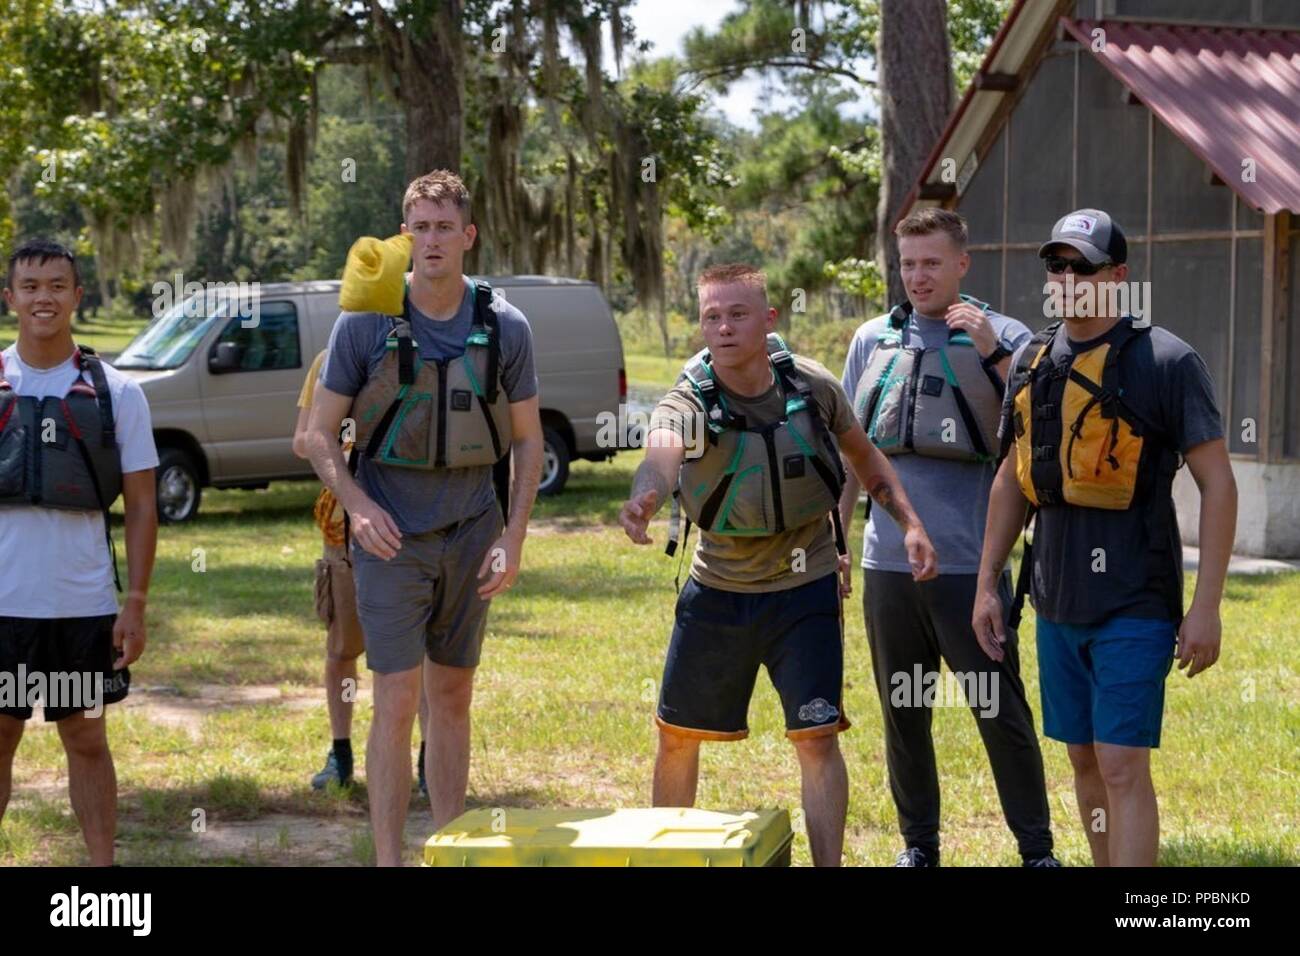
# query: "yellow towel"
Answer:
x=375 y=274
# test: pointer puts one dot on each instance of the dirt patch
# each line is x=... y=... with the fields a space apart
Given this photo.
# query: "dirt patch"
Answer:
x=283 y=839
x=173 y=708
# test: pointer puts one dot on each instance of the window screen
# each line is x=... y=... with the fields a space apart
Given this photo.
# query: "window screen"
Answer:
x=1025 y=279
x=984 y=280
x=981 y=204
x=1112 y=148
x=1189 y=297
x=1201 y=11
x=1041 y=151
x=1184 y=201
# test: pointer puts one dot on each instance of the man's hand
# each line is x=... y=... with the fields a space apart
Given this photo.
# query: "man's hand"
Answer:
x=986 y=622
x=636 y=514
x=129 y=635
x=1199 y=639
x=846 y=575
x=972 y=320
x=920 y=554
x=502 y=561
x=374 y=529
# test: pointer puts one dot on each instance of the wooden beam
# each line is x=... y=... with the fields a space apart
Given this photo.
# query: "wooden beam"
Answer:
x=997 y=82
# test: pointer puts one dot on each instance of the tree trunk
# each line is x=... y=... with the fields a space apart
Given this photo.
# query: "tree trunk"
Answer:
x=914 y=71
x=427 y=70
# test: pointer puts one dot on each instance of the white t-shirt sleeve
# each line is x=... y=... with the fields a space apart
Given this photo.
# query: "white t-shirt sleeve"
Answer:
x=134 y=429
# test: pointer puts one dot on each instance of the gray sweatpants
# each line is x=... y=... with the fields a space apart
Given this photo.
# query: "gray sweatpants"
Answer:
x=910 y=626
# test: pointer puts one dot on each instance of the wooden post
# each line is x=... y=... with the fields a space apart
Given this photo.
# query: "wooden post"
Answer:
x=1274 y=343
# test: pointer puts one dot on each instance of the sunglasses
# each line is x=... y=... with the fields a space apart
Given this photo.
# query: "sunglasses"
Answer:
x=1056 y=265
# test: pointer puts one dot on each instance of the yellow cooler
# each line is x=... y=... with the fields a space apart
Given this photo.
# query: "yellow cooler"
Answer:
x=662 y=836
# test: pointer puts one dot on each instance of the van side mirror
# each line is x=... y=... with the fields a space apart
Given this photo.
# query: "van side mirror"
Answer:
x=226 y=358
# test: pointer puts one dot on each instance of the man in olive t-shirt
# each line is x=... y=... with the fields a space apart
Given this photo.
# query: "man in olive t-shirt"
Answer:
x=759 y=597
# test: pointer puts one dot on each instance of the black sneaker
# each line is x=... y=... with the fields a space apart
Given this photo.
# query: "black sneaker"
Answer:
x=915 y=856
x=1047 y=860
x=330 y=774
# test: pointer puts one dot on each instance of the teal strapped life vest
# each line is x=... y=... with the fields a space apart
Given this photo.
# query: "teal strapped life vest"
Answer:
x=446 y=413
x=759 y=480
x=62 y=453
x=936 y=402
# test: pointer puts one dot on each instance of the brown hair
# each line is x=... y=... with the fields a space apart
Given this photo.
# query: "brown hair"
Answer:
x=932 y=219
x=439 y=186
x=733 y=272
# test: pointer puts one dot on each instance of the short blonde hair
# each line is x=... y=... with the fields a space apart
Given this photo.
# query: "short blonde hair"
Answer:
x=733 y=272
x=932 y=219
x=439 y=186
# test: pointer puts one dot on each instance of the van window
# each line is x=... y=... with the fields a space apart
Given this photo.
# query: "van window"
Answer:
x=271 y=344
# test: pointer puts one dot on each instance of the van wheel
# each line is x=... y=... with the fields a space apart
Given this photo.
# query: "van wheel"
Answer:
x=179 y=490
x=555 y=462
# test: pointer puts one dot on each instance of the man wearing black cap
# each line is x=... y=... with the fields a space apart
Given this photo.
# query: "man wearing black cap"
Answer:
x=1100 y=412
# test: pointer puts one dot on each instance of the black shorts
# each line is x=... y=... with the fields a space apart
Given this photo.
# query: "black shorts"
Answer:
x=61 y=651
x=721 y=638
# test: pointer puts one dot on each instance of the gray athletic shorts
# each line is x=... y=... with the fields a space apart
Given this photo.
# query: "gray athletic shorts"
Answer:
x=425 y=600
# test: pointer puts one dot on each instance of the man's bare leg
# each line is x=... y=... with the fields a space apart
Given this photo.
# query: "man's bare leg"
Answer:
x=337 y=698
x=388 y=760
x=448 y=692
x=1090 y=792
x=825 y=794
x=92 y=783
x=11 y=732
x=677 y=771
x=1134 y=819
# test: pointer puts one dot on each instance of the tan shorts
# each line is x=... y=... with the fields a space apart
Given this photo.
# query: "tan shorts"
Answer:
x=336 y=605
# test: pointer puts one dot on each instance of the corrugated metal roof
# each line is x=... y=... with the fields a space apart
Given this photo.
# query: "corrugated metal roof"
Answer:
x=1229 y=94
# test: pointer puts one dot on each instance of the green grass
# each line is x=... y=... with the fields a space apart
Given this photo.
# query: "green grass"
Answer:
x=564 y=702
x=105 y=333
x=651 y=371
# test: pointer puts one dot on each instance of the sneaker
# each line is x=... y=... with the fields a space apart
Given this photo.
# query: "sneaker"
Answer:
x=1047 y=860
x=915 y=856
x=329 y=774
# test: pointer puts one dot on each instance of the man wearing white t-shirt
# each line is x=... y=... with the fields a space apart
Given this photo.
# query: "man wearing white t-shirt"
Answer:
x=73 y=431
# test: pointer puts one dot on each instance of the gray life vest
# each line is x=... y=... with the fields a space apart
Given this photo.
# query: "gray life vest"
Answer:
x=62 y=452
x=446 y=413
x=937 y=402
x=759 y=480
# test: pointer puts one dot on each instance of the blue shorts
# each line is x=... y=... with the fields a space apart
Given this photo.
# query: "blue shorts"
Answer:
x=1105 y=683
x=720 y=640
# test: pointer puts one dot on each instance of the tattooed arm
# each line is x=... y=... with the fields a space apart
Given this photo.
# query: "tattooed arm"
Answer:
x=877 y=475
x=1006 y=517
x=653 y=483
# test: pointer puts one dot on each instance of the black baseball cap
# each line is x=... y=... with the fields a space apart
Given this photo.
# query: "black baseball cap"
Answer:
x=1092 y=233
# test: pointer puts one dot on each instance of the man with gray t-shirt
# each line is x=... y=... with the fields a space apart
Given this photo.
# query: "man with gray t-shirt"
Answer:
x=428 y=547
x=927 y=382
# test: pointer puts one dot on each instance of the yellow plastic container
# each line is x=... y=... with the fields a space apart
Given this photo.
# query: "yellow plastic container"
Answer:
x=662 y=836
